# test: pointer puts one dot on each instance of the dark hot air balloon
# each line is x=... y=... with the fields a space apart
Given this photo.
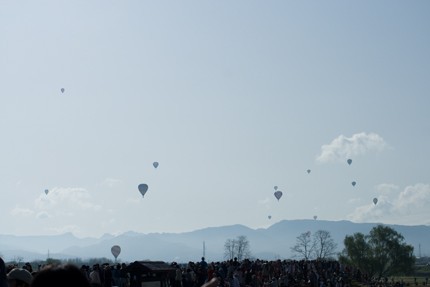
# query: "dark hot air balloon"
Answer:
x=278 y=194
x=143 y=188
x=116 y=250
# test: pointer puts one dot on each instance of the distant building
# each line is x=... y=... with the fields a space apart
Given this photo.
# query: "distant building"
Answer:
x=150 y=274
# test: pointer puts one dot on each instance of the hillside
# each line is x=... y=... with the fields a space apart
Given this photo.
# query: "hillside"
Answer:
x=271 y=243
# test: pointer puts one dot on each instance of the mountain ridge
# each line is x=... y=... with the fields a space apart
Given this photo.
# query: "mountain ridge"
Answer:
x=273 y=242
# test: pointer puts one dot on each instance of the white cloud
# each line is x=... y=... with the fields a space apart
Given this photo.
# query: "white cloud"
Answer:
x=264 y=201
x=387 y=188
x=19 y=211
x=42 y=215
x=414 y=198
x=66 y=200
x=409 y=206
x=133 y=201
x=111 y=182
x=342 y=148
x=354 y=200
x=59 y=203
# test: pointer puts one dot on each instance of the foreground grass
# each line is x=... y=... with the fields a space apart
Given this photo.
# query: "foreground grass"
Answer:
x=421 y=277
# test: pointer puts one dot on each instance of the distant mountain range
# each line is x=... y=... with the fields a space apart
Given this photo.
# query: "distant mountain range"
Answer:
x=269 y=243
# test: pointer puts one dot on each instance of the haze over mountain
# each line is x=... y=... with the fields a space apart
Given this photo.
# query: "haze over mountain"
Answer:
x=269 y=243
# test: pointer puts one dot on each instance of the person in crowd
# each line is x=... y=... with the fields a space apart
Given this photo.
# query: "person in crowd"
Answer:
x=178 y=275
x=95 y=278
x=3 y=274
x=115 y=274
x=19 y=277
x=123 y=276
x=106 y=275
x=86 y=271
x=233 y=280
x=203 y=263
x=62 y=275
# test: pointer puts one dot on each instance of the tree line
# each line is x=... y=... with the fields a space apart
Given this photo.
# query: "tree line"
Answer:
x=383 y=252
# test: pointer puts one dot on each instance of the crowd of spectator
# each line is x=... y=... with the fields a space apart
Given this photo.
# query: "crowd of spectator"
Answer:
x=230 y=273
x=262 y=273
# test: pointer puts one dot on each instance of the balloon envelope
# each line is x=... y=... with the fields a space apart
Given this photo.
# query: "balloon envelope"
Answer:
x=116 y=250
x=375 y=201
x=62 y=90
x=278 y=194
x=270 y=217
x=275 y=187
x=308 y=171
x=353 y=183
x=155 y=164
x=349 y=161
x=143 y=188
x=315 y=217
x=46 y=191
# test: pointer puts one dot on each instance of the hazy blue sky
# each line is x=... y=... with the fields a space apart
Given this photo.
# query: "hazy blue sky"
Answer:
x=230 y=97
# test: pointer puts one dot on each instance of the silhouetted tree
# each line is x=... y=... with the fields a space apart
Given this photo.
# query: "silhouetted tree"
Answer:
x=238 y=247
x=382 y=252
x=304 y=245
x=324 y=245
x=320 y=245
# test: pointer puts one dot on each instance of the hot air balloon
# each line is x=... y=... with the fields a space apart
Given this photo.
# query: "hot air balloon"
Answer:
x=62 y=90
x=46 y=191
x=278 y=194
x=349 y=161
x=143 y=188
x=270 y=217
x=275 y=187
x=308 y=171
x=375 y=201
x=353 y=183
x=155 y=164
x=116 y=250
x=315 y=217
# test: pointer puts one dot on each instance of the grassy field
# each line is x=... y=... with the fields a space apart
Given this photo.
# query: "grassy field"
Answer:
x=421 y=277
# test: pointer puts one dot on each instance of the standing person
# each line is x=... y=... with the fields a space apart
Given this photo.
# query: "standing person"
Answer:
x=203 y=263
x=115 y=274
x=107 y=275
x=203 y=276
x=178 y=276
x=95 y=279
x=123 y=276
x=3 y=276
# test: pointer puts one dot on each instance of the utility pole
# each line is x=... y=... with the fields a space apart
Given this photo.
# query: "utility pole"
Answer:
x=204 y=250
